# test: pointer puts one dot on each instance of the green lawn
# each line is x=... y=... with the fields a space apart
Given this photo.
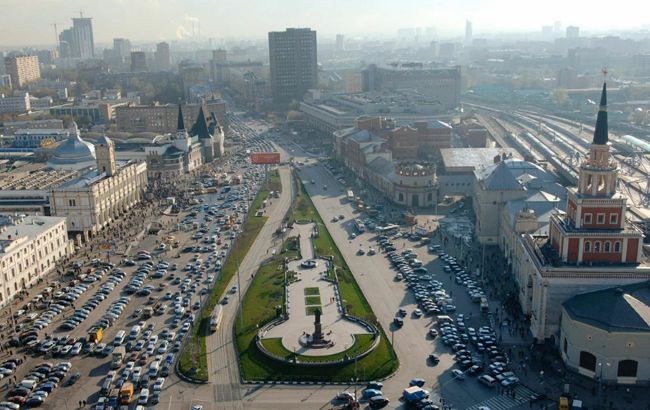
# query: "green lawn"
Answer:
x=311 y=310
x=193 y=356
x=266 y=292
x=312 y=300
x=362 y=342
x=312 y=291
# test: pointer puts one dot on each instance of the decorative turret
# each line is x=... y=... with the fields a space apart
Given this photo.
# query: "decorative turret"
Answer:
x=600 y=134
x=180 y=124
x=105 y=153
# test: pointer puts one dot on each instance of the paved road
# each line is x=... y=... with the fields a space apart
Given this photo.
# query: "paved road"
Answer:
x=224 y=387
x=385 y=296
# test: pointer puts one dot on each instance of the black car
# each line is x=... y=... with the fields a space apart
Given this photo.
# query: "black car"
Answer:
x=377 y=402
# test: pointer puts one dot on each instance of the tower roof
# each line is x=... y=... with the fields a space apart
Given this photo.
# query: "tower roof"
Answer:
x=180 y=123
x=601 y=132
x=200 y=128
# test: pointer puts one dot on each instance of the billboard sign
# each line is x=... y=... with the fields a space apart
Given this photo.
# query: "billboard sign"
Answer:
x=265 y=157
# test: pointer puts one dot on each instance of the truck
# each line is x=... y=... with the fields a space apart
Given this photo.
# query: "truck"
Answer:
x=113 y=398
x=414 y=394
x=118 y=356
x=95 y=335
x=214 y=321
x=126 y=393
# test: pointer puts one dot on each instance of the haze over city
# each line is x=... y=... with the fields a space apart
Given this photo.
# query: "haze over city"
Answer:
x=155 y=20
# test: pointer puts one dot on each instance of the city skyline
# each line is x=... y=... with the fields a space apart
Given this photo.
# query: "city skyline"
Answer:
x=176 y=20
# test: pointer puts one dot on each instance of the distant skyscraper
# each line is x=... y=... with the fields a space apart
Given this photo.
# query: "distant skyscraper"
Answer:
x=572 y=32
x=163 y=57
x=65 y=43
x=293 y=62
x=468 y=32
x=547 y=31
x=557 y=27
x=22 y=69
x=83 y=43
x=122 y=48
x=138 y=61
x=340 y=42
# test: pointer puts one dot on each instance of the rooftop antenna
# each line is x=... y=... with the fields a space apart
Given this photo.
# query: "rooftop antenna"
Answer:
x=604 y=70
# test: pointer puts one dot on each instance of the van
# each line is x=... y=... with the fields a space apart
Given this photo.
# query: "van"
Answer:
x=442 y=319
x=487 y=380
x=153 y=369
x=135 y=331
x=119 y=338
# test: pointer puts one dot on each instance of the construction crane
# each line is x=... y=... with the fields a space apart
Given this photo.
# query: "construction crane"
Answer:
x=56 y=34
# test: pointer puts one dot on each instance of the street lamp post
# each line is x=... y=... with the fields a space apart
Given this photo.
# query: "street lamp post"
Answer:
x=600 y=380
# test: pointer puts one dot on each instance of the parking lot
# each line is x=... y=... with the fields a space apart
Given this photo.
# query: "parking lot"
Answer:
x=117 y=323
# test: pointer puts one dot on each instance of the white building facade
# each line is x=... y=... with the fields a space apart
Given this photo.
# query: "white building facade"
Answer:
x=30 y=247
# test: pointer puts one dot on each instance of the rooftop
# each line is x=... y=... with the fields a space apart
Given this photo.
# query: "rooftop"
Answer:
x=620 y=309
x=27 y=227
x=473 y=157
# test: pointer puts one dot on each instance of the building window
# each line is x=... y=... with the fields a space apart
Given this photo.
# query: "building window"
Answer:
x=566 y=346
x=627 y=368
x=613 y=219
x=587 y=218
x=588 y=246
x=597 y=246
x=617 y=246
x=606 y=247
x=587 y=361
x=600 y=219
x=72 y=202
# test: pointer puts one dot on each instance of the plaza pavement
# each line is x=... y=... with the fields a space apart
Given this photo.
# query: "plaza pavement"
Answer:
x=335 y=327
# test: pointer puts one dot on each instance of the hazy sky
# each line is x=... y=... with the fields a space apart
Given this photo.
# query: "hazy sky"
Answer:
x=24 y=22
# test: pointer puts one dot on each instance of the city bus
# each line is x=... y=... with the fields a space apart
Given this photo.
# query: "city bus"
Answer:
x=388 y=229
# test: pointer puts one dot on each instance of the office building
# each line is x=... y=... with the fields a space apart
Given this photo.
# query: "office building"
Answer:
x=293 y=63
x=366 y=150
x=30 y=248
x=138 y=61
x=163 y=57
x=121 y=51
x=14 y=104
x=5 y=81
x=572 y=32
x=34 y=138
x=340 y=42
x=83 y=43
x=468 y=32
x=328 y=112
x=163 y=118
x=22 y=69
x=10 y=127
x=442 y=84
x=66 y=38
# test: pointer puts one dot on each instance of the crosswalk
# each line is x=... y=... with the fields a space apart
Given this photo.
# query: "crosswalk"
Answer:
x=503 y=402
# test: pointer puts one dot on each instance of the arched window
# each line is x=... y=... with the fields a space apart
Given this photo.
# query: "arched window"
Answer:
x=587 y=246
x=627 y=368
x=617 y=246
x=597 y=246
x=606 y=247
x=587 y=361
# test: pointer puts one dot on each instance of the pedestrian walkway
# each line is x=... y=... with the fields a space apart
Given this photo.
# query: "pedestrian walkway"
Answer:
x=505 y=402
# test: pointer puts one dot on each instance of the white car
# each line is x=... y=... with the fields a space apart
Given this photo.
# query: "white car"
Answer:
x=144 y=396
x=163 y=347
x=157 y=386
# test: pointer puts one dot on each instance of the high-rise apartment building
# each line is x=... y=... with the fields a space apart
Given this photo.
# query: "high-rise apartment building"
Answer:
x=65 y=43
x=572 y=32
x=138 y=61
x=163 y=57
x=121 y=48
x=83 y=43
x=22 y=69
x=293 y=62
x=468 y=32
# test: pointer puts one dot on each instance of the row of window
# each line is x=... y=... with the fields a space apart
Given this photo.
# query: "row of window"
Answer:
x=600 y=219
x=626 y=368
x=606 y=247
